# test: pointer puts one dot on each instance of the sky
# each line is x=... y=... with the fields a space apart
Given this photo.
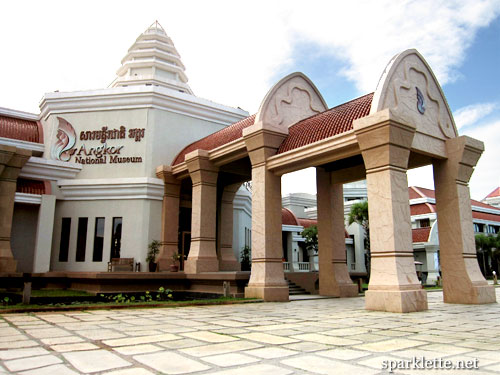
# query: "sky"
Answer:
x=234 y=51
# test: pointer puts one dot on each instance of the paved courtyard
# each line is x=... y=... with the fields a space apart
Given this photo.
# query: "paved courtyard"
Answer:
x=316 y=336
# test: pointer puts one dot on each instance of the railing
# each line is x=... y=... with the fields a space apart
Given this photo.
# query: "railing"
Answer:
x=286 y=266
x=298 y=266
x=303 y=266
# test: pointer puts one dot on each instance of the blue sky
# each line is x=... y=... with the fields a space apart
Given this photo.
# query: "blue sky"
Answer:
x=235 y=51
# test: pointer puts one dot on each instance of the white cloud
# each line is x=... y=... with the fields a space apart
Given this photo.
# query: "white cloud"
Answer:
x=471 y=114
x=232 y=50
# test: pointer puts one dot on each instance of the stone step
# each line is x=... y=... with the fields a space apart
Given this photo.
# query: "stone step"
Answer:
x=294 y=289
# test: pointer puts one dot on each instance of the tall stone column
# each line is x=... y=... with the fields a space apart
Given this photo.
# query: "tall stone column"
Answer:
x=202 y=255
x=463 y=281
x=11 y=162
x=267 y=280
x=227 y=260
x=385 y=146
x=334 y=279
x=169 y=217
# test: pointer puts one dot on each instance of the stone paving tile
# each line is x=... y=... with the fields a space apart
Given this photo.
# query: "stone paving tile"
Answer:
x=321 y=365
x=267 y=338
x=307 y=346
x=389 y=345
x=50 y=370
x=180 y=344
x=330 y=340
x=140 y=340
x=137 y=349
x=22 y=353
x=95 y=360
x=214 y=349
x=47 y=332
x=343 y=353
x=18 y=344
x=209 y=336
x=61 y=348
x=131 y=371
x=30 y=363
x=376 y=362
x=230 y=359
x=100 y=334
x=13 y=338
x=170 y=363
x=62 y=340
x=271 y=352
x=263 y=369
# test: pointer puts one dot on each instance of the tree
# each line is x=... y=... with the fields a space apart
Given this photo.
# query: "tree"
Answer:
x=488 y=246
x=359 y=215
x=311 y=238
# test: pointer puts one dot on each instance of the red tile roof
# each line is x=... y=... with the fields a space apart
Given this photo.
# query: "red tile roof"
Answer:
x=288 y=218
x=306 y=223
x=494 y=193
x=486 y=216
x=420 y=209
x=420 y=234
x=30 y=186
x=326 y=124
x=416 y=192
x=24 y=130
x=219 y=138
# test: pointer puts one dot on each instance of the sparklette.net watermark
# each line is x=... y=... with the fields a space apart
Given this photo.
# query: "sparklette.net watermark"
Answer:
x=421 y=363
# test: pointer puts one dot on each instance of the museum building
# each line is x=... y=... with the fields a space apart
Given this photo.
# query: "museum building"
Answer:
x=102 y=173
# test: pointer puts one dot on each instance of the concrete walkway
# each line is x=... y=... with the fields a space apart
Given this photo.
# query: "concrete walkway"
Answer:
x=316 y=336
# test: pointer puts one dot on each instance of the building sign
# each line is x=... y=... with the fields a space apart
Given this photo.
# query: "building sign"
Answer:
x=87 y=152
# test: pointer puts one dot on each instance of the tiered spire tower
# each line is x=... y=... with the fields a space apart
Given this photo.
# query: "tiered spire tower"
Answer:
x=153 y=60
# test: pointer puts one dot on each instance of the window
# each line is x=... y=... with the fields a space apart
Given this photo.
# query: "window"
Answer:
x=116 y=237
x=248 y=237
x=478 y=228
x=98 y=239
x=64 y=245
x=81 y=240
x=425 y=223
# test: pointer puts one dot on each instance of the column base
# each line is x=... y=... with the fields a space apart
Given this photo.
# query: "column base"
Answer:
x=198 y=265
x=341 y=290
x=474 y=295
x=399 y=301
x=268 y=293
x=229 y=265
x=8 y=265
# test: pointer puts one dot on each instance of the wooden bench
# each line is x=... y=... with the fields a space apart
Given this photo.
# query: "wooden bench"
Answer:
x=122 y=264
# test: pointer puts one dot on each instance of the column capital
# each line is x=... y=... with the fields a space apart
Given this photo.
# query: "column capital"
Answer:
x=262 y=143
x=463 y=154
x=201 y=169
x=384 y=139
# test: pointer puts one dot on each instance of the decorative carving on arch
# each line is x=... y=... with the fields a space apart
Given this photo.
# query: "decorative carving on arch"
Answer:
x=290 y=100
x=408 y=86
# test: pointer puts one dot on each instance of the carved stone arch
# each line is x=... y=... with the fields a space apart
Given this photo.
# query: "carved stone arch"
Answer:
x=290 y=100
x=409 y=88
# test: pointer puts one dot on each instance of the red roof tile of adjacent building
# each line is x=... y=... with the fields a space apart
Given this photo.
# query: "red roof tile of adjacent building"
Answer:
x=420 y=234
x=481 y=204
x=23 y=130
x=420 y=209
x=416 y=192
x=288 y=218
x=30 y=186
x=219 y=138
x=486 y=216
x=494 y=193
x=306 y=223
x=326 y=124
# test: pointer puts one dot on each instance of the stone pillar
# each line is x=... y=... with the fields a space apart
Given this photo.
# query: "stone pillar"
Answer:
x=11 y=162
x=267 y=280
x=432 y=265
x=45 y=228
x=227 y=259
x=334 y=279
x=463 y=281
x=385 y=146
x=202 y=255
x=169 y=217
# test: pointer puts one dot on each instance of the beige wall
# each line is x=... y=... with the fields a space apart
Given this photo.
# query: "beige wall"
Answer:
x=141 y=225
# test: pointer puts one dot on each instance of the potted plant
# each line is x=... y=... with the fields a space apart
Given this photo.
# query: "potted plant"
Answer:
x=174 y=267
x=154 y=250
